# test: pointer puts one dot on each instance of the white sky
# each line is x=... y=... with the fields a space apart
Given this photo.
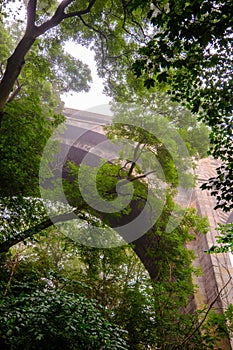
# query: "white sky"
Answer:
x=95 y=97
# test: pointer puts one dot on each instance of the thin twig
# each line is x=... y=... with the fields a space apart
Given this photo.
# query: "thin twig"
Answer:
x=205 y=316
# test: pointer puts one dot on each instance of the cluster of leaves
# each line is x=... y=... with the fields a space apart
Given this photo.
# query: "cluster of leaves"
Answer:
x=224 y=241
x=56 y=320
x=21 y=152
x=160 y=106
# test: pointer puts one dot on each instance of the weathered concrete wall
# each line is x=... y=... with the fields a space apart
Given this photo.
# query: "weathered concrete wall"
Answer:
x=216 y=268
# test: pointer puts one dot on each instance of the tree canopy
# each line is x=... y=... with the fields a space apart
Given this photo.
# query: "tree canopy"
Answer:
x=190 y=50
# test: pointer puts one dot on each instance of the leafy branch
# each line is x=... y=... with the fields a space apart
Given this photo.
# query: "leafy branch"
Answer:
x=48 y=222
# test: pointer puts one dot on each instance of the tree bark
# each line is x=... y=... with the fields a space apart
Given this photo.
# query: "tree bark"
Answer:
x=143 y=246
x=14 y=66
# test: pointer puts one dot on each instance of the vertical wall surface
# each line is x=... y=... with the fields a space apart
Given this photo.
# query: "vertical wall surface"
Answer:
x=217 y=269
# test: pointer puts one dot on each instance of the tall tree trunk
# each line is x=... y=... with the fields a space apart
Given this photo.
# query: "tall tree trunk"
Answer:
x=14 y=66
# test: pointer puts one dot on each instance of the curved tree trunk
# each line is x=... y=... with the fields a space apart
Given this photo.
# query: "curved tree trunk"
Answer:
x=145 y=246
x=14 y=66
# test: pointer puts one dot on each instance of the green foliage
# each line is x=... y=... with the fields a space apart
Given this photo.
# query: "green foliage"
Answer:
x=157 y=113
x=229 y=319
x=225 y=240
x=57 y=320
x=17 y=214
x=115 y=278
x=66 y=72
x=48 y=67
x=21 y=151
x=190 y=52
x=193 y=132
x=5 y=43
